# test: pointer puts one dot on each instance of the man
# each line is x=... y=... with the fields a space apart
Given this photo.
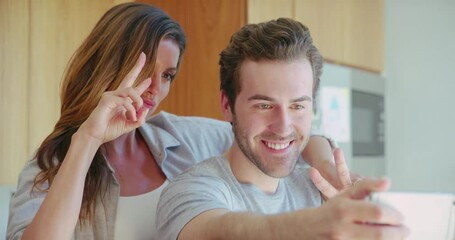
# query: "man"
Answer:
x=260 y=189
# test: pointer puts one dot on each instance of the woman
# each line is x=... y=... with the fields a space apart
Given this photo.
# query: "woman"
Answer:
x=99 y=173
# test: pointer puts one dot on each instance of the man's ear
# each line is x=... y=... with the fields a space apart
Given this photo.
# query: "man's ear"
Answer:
x=225 y=107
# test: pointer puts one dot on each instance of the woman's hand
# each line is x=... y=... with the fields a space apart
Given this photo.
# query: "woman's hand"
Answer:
x=118 y=111
x=345 y=178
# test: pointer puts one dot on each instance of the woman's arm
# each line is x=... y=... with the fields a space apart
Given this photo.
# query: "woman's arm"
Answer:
x=117 y=113
x=59 y=212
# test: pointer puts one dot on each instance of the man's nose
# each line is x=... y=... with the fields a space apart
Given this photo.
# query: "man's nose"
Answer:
x=282 y=123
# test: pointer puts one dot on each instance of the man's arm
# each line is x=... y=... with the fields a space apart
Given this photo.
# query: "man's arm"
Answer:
x=345 y=216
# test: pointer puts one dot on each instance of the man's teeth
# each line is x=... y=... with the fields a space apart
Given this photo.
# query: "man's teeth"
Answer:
x=277 y=146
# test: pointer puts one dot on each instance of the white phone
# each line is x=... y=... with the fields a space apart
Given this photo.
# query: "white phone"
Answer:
x=428 y=215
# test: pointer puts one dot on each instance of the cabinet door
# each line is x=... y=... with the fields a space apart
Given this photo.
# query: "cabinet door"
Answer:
x=363 y=40
x=209 y=26
x=324 y=20
x=37 y=39
x=264 y=10
x=348 y=32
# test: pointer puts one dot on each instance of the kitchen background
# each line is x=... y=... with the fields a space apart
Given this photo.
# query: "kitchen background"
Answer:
x=406 y=45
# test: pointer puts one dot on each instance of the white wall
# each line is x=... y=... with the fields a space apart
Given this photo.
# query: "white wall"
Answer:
x=420 y=94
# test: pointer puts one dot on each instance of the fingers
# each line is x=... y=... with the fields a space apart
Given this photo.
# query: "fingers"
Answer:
x=144 y=85
x=142 y=113
x=128 y=81
x=372 y=213
x=374 y=231
x=127 y=100
x=136 y=98
x=366 y=186
x=364 y=219
x=327 y=189
x=322 y=184
x=388 y=216
x=134 y=94
x=342 y=168
x=120 y=105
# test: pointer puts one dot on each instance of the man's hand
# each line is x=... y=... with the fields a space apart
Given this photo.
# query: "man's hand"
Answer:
x=344 y=177
x=349 y=216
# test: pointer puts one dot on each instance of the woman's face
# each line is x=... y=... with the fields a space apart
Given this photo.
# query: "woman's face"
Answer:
x=165 y=70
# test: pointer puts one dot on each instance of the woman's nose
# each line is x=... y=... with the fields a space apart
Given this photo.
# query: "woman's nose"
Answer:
x=155 y=85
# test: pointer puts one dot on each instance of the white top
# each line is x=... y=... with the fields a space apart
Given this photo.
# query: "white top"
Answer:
x=136 y=215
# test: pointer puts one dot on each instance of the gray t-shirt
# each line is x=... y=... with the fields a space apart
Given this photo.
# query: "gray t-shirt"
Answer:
x=211 y=185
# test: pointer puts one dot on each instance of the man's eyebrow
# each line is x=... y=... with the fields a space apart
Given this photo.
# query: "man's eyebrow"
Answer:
x=267 y=98
x=260 y=97
x=301 y=99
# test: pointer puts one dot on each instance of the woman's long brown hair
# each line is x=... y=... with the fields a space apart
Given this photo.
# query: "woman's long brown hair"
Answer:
x=100 y=64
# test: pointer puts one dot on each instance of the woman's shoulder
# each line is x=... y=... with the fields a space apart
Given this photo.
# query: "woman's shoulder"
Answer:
x=24 y=201
x=169 y=118
x=30 y=170
x=180 y=126
x=27 y=178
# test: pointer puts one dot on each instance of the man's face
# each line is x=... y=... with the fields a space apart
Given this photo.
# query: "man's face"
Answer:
x=273 y=113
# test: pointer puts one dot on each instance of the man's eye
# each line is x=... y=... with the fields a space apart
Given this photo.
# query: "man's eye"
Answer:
x=297 y=106
x=264 y=106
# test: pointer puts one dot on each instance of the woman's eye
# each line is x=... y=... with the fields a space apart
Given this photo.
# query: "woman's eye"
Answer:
x=168 y=76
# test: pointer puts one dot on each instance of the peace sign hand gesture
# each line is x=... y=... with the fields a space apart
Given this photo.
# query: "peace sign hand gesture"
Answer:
x=119 y=111
x=345 y=178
